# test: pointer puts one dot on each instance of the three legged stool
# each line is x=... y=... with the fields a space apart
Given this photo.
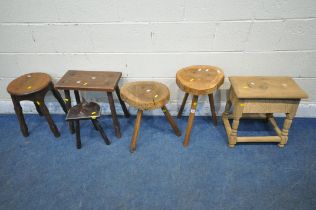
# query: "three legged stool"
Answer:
x=198 y=80
x=33 y=87
x=86 y=111
x=262 y=95
x=147 y=95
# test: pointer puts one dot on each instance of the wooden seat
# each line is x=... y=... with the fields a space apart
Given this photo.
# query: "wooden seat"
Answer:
x=265 y=96
x=147 y=95
x=198 y=80
x=33 y=87
x=86 y=111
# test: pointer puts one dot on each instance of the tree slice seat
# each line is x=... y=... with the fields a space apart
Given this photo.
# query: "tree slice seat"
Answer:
x=33 y=87
x=147 y=95
x=198 y=80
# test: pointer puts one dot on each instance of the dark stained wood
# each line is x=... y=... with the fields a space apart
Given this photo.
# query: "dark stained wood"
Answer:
x=78 y=139
x=89 y=80
x=190 y=121
x=118 y=93
x=183 y=105
x=68 y=106
x=171 y=121
x=136 y=130
x=33 y=87
x=114 y=117
x=77 y=96
x=100 y=129
x=212 y=105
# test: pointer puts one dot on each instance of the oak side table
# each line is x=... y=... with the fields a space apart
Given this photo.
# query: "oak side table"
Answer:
x=262 y=95
x=102 y=81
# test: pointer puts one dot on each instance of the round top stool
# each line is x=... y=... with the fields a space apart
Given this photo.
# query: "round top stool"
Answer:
x=147 y=95
x=198 y=80
x=29 y=83
x=33 y=87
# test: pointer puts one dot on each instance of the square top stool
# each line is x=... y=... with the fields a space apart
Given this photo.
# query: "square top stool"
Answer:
x=102 y=81
x=262 y=95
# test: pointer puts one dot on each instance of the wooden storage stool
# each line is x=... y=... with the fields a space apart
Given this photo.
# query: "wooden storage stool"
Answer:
x=101 y=81
x=86 y=111
x=262 y=95
x=147 y=95
x=33 y=87
x=198 y=80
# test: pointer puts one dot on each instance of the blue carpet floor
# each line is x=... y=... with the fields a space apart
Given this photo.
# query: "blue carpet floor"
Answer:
x=42 y=172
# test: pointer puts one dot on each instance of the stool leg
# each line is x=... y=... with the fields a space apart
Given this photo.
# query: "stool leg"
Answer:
x=237 y=113
x=94 y=125
x=228 y=105
x=136 y=130
x=100 y=129
x=118 y=93
x=68 y=106
x=20 y=116
x=77 y=129
x=171 y=121
x=114 y=117
x=38 y=109
x=285 y=131
x=59 y=98
x=53 y=127
x=211 y=100
x=190 y=121
x=182 y=105
x=77 y=96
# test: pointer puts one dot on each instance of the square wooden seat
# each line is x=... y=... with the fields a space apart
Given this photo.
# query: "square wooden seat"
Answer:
x=262 y=95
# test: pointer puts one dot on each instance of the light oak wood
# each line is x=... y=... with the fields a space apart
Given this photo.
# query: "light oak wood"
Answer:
x=263 y=99
x=136 y=130
x=190 y=121
x=145 y=95
x=199 y=79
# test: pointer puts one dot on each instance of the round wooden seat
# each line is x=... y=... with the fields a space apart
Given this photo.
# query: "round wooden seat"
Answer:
x=199 y=79
x=145 y=95
x=29 y=83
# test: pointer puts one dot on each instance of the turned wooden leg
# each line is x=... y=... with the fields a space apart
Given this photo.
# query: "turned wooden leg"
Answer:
x=118 y=93
x=68 y=106
x=20 y=116
x=38 y=109
x=114 y=117
x=182 y=105
x=211 y=100
x=100 y=129
x=228 y=105
x=237 y=113
x=136 y=130
x=40 y=102
x=190 y=121
x=285 y=131
x=78 y=139
x=77 y=96
x=59 y=98
x=171 y=121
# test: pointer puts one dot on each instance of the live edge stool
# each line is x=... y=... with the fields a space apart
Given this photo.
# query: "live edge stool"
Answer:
x=33 y=87
x=147 y=95
x=262 y=95
x=198 y=80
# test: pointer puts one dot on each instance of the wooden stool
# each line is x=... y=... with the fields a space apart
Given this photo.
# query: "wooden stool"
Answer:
x=33 y=87
x=262 y=95
x=198 y=80
x=147 y=95
x=86 y=111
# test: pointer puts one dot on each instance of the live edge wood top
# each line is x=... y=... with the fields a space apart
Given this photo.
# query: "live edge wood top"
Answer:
x=89 y=80
x=199 y=79
x=254 y=87
x=145 y=95
x=29 y=83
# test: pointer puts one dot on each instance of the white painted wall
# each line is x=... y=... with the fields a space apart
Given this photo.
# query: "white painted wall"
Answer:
x=150 y=39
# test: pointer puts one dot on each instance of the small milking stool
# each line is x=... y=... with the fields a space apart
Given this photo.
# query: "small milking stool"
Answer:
x=262 y=95
x=86 y=111
x=33 y=87
x=198 y=80
x=147 y=95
